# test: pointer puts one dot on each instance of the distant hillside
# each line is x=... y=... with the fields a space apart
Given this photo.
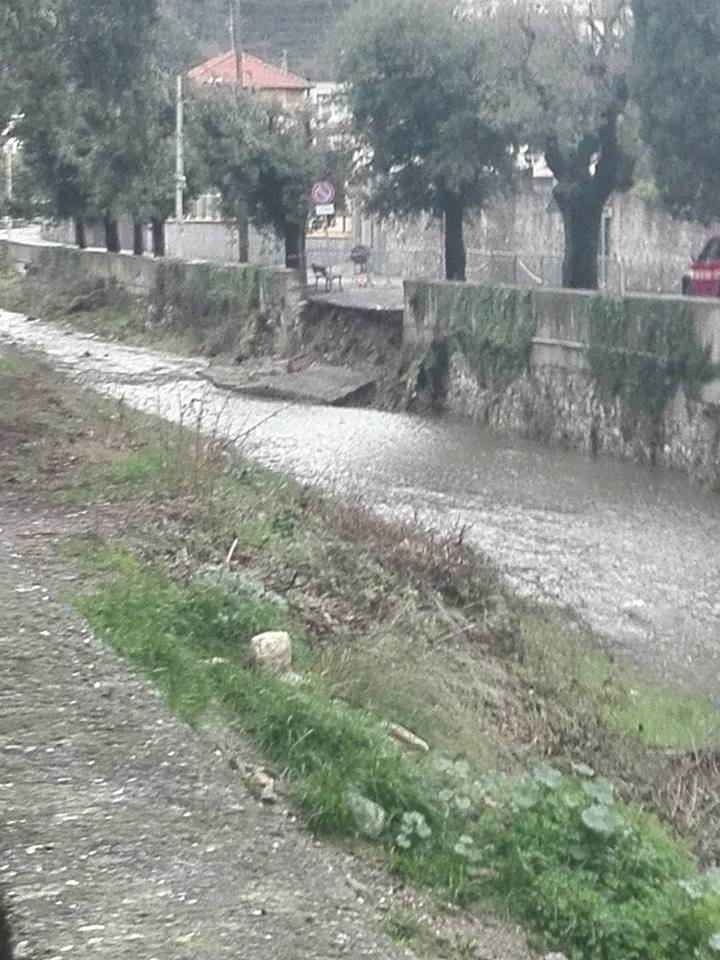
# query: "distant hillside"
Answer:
x=303 y=28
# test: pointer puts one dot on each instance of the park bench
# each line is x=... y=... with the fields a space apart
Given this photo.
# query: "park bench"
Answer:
x=327 y=276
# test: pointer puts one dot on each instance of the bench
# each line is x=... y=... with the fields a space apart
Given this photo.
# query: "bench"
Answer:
x=327 y=276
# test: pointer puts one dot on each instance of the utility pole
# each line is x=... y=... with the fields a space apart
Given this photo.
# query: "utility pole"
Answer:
x=236 y=35
x=9 y=183
x=241 y=213
x=180 y=155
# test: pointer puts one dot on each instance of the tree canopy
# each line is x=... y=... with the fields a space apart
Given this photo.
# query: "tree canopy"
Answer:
x=428 y=113
x=258 y=155
x=86 y=103
x=676 y=81
x=23 y=23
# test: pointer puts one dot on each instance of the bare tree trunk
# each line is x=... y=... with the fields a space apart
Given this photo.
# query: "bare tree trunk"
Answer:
x=157 y=227
x=112 y=234
x=80 y=234
x=582 y=222
x=138 y=238
x=455 y=256
x=295 y=256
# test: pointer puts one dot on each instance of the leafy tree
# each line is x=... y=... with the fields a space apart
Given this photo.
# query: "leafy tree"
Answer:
x=149 y=195
x=23 y=24
x=428 y=112
x=571 y=80
x=263 y=158
x=82 y=106
x=676 y=81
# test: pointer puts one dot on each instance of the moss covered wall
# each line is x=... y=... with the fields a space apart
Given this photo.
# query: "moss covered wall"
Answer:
x=636 y=377
x=186 y=295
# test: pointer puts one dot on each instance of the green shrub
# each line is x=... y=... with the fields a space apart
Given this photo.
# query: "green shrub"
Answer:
x=602 y=882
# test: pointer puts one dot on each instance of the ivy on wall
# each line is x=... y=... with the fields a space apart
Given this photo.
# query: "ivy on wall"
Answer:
x=493 y=327
x=644 y=356
x=200 y=295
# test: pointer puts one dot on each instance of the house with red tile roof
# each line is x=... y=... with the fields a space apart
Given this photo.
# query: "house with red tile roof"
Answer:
x=257 y=75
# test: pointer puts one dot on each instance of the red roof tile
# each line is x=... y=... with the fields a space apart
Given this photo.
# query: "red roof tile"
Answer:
x=256 y=73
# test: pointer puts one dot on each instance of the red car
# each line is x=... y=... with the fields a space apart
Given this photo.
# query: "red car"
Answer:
x=703 y=278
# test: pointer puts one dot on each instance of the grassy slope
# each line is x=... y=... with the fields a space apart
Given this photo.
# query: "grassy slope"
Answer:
x=392 y=625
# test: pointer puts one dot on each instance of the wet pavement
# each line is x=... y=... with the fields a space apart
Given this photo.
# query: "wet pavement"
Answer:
x=633 y=551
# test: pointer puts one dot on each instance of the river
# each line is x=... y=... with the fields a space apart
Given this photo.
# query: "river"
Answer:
x=633 y=551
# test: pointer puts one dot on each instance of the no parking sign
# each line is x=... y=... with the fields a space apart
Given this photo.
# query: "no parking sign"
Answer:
x=323 y=196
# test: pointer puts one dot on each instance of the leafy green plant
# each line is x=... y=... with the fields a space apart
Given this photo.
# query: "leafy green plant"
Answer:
x=492 y=327
x=597 y=878
x=643 y=358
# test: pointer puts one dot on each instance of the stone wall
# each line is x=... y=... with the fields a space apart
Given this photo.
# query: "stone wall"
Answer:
x=181 y=294
x=634 y=377
x=517 y=239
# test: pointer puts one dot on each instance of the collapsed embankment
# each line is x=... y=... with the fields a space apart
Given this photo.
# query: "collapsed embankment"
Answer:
x=633 y=377
x=240 y=312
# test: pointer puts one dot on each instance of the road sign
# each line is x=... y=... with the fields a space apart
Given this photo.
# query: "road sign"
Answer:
x=323 y=193
x=325 y=210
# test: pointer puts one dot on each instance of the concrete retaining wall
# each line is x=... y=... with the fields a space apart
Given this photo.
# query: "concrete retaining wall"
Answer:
x=195 y=293
x=555 y=395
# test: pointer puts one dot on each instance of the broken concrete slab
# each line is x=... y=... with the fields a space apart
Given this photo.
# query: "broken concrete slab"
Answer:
x=317 y=384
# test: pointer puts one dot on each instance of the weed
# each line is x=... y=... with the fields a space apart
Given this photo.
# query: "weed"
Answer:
x=597 y=878
x=560 y=662
x=594 y=877
x=401 y=926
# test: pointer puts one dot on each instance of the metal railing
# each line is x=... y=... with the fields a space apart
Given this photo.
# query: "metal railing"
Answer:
x=533 y=270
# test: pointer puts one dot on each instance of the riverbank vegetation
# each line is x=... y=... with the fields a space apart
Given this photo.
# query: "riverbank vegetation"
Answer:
x=549 y=781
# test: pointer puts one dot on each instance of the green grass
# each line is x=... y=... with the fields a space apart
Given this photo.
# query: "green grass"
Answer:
x=12 y=366
x=121 y=322
x=10 y=286
x=561 y=662
x=610 y=891
x=418 y=934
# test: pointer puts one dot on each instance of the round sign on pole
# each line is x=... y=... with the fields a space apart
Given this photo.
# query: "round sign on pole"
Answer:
x=323 y=193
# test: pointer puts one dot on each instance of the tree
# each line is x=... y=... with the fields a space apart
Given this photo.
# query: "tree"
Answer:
x=676 y=81
x=428 y=113
x=150 y=193
x=262 y=157
x=82 y=106
x=572 y=90
x=23 y=24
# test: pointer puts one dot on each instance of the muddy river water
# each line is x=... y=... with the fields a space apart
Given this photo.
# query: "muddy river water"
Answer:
x=633 y=551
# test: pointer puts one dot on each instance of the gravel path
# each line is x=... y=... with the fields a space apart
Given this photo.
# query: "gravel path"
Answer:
x=122 y=835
